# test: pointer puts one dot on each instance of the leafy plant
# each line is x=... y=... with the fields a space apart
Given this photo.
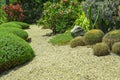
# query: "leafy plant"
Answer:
x=102 y=14
x=14 y=12
x=3 y=16
x=60 y=16
x=13 y=51
x=83 y=22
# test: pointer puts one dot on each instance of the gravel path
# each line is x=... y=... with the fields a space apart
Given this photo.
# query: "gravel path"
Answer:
x=63 y=63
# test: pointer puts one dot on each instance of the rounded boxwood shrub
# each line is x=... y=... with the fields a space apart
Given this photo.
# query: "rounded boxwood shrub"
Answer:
x=24 y=25
x=11 y=25
x=116 y=48
x=77 y=41
x=93 y=36
x=13 y=51
x=19 y=32
x=100 y=49
x=111 y=37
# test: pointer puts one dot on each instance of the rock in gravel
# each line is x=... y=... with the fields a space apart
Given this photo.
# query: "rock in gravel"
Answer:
x=77 y=31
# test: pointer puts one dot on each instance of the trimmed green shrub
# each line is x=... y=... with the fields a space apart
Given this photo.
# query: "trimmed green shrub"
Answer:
x=111 y=37
x=77 y=41
x=13 y=51
x=11 y=25
x=116 y=48
x=19 y=32
x=24 y=25
x=101 y=49
x=93 y=36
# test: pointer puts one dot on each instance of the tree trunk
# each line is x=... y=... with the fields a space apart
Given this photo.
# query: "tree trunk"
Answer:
x=7 y=2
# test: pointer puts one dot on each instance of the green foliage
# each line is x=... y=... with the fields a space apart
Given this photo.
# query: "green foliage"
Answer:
x=103 y=14
x=111 y=37
x=60 y=16
x=13 y=51
x=11 y=25
x=101 y=49
x=93 y=36
x=116 y=48
x=24 y=25
x=83 y=22
x=3 y=16
x=61 y=39
x=77 y=41
x=19 y=32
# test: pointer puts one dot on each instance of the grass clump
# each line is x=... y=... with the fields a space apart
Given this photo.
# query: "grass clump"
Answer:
x=19 y=32
x=116 y=48
x=77 y=41
x=93 y=36
x=13 y=51
x=111 y=37
x=61 y=39
x=11 y=25
x=24 y=25
x=100 y=49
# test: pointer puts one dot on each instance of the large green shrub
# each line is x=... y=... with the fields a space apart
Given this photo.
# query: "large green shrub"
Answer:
x=101 y=49
x=103 y=14
x=93 y=36
x=19 y=32
x=77 y=41
x=13 y=51
x=11 y=25
x=116 y=48
x=24 y=25
x=60 y=16
x=111 y=37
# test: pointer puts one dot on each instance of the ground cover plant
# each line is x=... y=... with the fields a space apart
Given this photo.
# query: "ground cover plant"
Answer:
x=61 y=39
x=13 y=51
x=19 y=32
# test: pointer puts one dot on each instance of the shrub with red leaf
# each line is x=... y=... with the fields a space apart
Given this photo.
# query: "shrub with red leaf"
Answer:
x=14 y=12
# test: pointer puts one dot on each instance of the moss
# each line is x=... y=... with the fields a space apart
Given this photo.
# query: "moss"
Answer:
x=19 y=32
x=78 y=41
x=100 y=49
x=13 y=51
x=11 y=25
x=24 y=25
x=116 y=48
x=93 y=36
x=111 y=37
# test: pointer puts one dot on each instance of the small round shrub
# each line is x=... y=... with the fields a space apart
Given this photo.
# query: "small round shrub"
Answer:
x=24 y=25
x=111 y=37
x=11 y=25
x=93 y=36
x=100 y=49
x=13 y=51
x=19 y=32
x=116 y=48
x=77 y=41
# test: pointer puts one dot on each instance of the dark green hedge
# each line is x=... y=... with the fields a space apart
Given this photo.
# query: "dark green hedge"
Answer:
x=24 y=25
x=13 y=51
x=11 y=25
x=19 y=32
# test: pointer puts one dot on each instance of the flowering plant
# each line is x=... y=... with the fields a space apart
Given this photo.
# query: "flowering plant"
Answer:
x=14 y=12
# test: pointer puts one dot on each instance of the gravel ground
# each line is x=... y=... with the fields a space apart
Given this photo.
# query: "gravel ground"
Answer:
x=63 y=63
